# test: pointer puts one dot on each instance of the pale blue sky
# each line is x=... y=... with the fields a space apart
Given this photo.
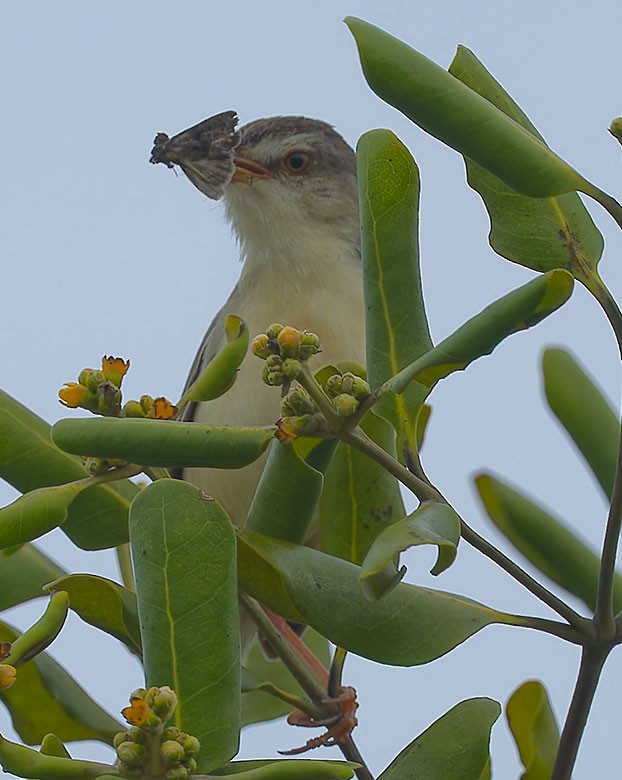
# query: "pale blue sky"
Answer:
x=104 y=253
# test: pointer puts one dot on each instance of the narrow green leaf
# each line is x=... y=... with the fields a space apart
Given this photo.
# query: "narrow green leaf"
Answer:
x=51 y=745
x=287 y=496
x=518 y=310
x=409 y=626
x=288 y=769
x=220 y=373
x=539 y=233
x=582 y=409
x=104 y=604
x=534 y=729
x=544 y=540
x=447 y=109
x=25 y=762
x=259 y=706
x=455 y=747
x=24 y=571
x=34 y=514
x=436 y=524
x=63 y=707
x=42 y=633
x=360 y=499
x=163 y=442
x=183 y=548
x=396 y=325
x=30 y=460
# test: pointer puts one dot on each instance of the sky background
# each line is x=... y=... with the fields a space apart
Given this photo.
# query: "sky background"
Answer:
x=104 y=253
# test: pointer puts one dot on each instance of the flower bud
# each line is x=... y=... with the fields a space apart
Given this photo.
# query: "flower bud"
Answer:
x=260 y=346
x=172 y=753
x=273 y=331
x=289 y=340
x=291 y=368
x=615 y=128
x=345 y=404
x=360 y=388
x=146 y=401
x=272 y=376
x=120 y=737
x=297 y=402
x=108 y=399
x=133 y=409
x=289 y=428
x=7 y=676
x=190 y=744
x=136 y=734
x=334 y=385
x=309 y=345
x=191 y=765
x=177 y=773
x=92 y=379
x=130 y=753
x=172 y=732
x=164 y=702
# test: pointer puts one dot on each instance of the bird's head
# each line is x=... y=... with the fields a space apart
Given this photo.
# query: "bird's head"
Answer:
x=293 y=175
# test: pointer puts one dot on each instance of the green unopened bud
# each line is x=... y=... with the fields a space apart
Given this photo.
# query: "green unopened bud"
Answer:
x=260 y=346
x=91 y=379
x=615 y=128
x=291 y=368
x=172 y=753
x=297 y=402
x=120 y=737
x=309 y=345
x=172 y=732
x=273 y=331
x=146 y=402
x=272 y=376
x=345 y=405
x=177 y=773
x=130 y=753
x=132 y=409
x=138 y=693
x=108 y=399
x=357 y=386
x=191 y=765
x=289 y=428
x=136 y=734
x=289 y=340
x=334 y=385
x=153 y=721
x=190 y=744
x=164 y=702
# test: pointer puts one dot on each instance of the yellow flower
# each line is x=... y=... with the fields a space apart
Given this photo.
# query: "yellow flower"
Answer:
x=114 y=369
x=137 y=713
x=7 y=675
x=72 y=394
x=162 y=409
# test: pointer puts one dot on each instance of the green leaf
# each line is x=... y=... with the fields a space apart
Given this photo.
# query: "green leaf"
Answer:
x=455 y=747
x=29 y=460
x=360 y=499
x=410 y=626
x=257 y=705
x=287 y=496
x=518 y=310
x=24 y=762
x=534 y=729
x=289 y=769
x=539 y=233
x=220 y=373
x=34 y=514
x=24 y=571
x=62 y=706
x=447 y=109
x=183 y=548
x=104 y=604
x=51 y=745
x=396 y=325
x=436 y=524
x=42 y=633
x=582 y=409
x=544 y=541
x=163 y=442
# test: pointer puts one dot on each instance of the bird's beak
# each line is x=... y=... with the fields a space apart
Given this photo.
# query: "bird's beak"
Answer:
x=247 y=170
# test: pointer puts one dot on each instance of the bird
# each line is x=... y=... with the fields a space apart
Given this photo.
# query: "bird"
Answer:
x=290 y=195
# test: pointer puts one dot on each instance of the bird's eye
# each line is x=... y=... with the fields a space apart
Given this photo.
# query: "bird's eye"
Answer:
x=296 y=162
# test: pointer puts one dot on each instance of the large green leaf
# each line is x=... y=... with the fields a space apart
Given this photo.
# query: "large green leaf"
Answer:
x=183 y=548
x=45 y=698
x=455 y=747
x=163 y=442
x=104 y=604
x=582 y=409
x=396 y=325
x=518 y=310
x=431 y=523
x=544 y=541
x=534 y=729
x=360 y=499
x=29 y=460
x=24 y=571
x=287 y=496
x=42 y=633
x=257 y=705
x=450 y=111
x=25 y=762
x=410 y=626
x=540 y=233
